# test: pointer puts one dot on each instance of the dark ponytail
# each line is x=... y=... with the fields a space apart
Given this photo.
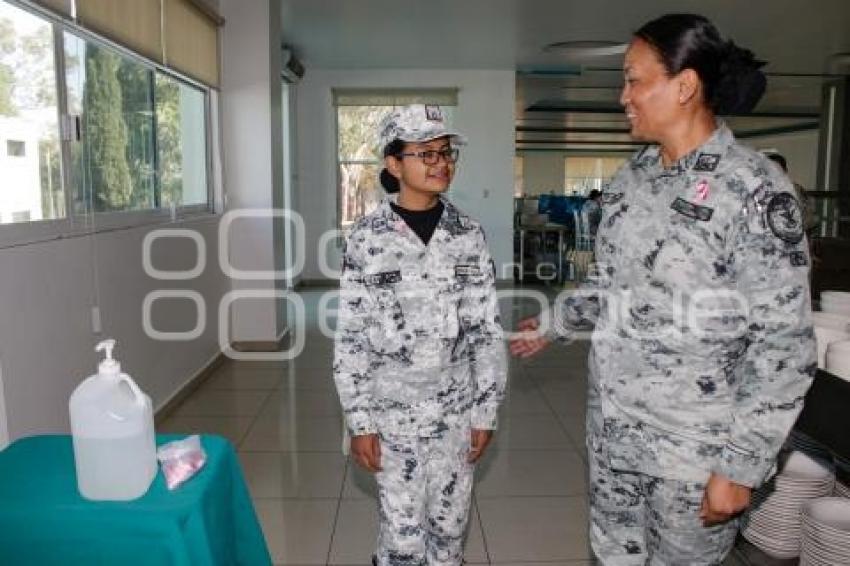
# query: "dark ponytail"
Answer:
x=390 y=183
x=741 y=84
x=731 y=76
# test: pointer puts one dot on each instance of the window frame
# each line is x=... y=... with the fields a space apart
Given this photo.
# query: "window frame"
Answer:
x=338 y=174
x=75 y=224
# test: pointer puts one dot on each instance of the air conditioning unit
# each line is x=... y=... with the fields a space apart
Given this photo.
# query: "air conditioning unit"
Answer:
x=291 y=68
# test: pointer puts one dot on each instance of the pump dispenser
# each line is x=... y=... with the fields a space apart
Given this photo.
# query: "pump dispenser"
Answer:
x=113 y=433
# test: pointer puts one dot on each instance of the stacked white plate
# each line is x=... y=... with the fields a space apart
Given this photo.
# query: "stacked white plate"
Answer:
x=826 y=532
x=837 y=302
x=829 y=327
x=773 y=521
x=838 y=359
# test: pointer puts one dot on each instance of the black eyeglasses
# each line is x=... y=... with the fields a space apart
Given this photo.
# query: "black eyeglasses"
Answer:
x=432 y=156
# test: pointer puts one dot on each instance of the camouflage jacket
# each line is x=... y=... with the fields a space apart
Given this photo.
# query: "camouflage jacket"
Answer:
x=419 y=346
x=703 y=347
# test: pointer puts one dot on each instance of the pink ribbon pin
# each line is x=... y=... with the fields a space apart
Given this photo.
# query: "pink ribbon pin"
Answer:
x=702 y=190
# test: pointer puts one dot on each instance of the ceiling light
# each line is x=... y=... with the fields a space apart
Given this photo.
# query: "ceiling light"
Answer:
x=587 y=48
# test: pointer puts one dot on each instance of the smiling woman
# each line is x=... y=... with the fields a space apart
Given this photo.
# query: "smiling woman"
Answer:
x=358 y=112
x=419 y=361
x=686 y=414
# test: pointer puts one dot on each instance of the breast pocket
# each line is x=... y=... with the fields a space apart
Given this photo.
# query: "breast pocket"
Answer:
x=692 y=254
x=387 y=324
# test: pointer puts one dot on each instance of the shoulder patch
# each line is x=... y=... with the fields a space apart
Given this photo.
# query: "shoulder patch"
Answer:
x=691 y=210
x=785 y=218
x=707 y=162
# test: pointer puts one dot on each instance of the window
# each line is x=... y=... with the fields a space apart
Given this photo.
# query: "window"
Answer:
x=134 y=136
x=181 y=143
x=359 y=162
x=519 y=176
x=15 y=148
x=144 y=142
x=584 y=174
x=30 y=168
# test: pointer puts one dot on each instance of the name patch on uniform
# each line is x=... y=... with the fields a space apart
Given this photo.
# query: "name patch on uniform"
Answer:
x=785 y=218
x=707 y=162
x=692 y=210
x=798 y=259
x=384 y=278
x=467 y=269
x=610 y=198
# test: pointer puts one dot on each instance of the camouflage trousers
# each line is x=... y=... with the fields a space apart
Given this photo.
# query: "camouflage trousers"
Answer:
x=424 y=492
x=639 y=519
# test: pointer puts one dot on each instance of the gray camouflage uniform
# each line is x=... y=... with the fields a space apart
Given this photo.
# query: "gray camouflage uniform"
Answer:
x=720 y=236
x=419 y=360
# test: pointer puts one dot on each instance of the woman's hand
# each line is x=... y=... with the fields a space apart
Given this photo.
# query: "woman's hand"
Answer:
x=480 y=440
x=723 y=499
x=530 y=341
x=366 y=450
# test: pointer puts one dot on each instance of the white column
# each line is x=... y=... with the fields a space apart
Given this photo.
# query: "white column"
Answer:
x=253 y=155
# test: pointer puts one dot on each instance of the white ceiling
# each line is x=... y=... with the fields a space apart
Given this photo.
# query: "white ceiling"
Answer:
x=795 y=37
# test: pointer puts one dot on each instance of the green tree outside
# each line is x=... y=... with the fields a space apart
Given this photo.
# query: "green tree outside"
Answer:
x=105 y=133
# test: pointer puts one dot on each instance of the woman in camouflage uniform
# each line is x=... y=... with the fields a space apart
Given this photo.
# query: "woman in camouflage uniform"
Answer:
x=419 y=360
x=702 y=348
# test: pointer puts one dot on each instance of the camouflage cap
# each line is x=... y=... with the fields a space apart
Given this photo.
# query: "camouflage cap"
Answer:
x=415 y=123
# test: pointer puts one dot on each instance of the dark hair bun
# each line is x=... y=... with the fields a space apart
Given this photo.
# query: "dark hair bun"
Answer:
x=731 y=77
x=741 y=84
x=390 y=183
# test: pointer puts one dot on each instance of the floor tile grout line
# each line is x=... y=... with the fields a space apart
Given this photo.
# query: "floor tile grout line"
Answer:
x=338 y=508
x=309 y=498
x=576 y=448
x=481 y=527
x=508 y=497
x=254 y=420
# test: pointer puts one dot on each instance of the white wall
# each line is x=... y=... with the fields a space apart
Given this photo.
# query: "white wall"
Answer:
x=543 y=172
x=253 y=155
x=483 y=186
x=46 y=339
x=800 y=149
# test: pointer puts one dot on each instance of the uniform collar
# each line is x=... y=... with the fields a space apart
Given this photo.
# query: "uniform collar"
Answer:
x=450 y=213
x=450 y=221
x=705 y=158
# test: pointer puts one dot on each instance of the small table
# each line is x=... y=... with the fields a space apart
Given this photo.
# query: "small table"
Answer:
x=544 y=229
x=43 y=519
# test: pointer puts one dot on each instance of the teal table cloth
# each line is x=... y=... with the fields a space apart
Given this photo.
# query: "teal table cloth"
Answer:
x=43 y=519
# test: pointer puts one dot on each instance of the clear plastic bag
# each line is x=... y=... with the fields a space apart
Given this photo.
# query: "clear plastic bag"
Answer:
x=181 y=459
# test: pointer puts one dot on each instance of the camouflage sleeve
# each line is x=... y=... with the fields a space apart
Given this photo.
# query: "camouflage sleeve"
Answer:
x=487 y=360
x=770 y=260
x=351 y=347
x=573 y=310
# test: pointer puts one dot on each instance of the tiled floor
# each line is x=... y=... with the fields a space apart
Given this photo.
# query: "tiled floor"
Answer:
x=316 y=507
